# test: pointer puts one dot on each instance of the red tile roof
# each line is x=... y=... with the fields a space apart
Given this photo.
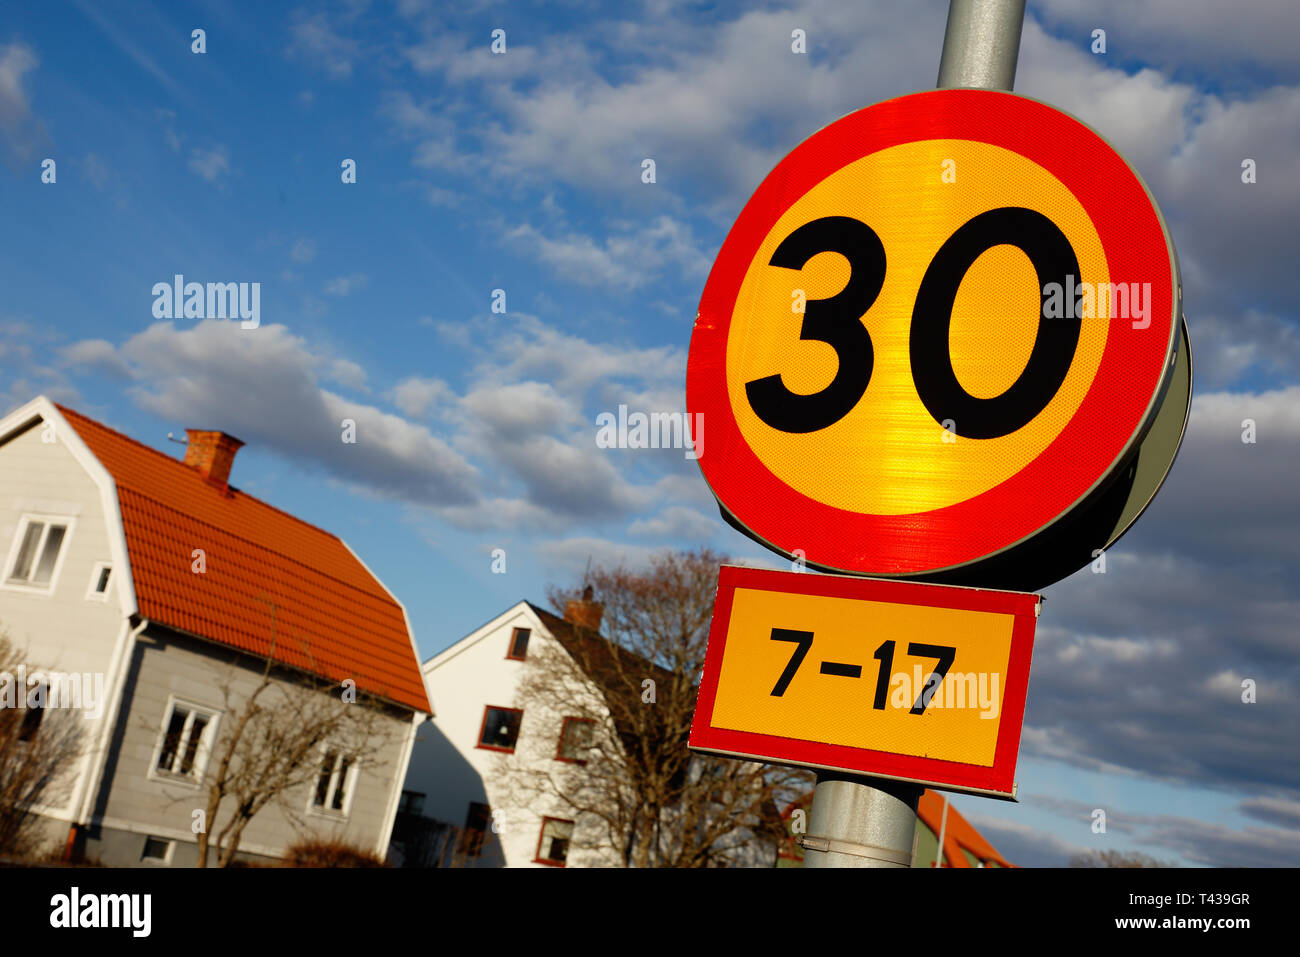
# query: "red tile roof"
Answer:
x=331 y=616
x=959 y=836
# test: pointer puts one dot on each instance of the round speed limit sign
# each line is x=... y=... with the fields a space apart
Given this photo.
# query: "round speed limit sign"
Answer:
x=943 y=341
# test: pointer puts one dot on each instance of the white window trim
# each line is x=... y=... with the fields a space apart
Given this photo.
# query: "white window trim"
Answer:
x=153 y=861
x=91 y=594
x=349 y=788
x=194 y=779
x=48 y=518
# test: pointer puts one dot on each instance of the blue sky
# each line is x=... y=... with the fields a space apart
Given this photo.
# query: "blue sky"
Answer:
x=522 y=172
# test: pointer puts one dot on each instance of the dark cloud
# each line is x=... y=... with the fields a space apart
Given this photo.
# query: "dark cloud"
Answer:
x=1277 y=811
x=1023 y=845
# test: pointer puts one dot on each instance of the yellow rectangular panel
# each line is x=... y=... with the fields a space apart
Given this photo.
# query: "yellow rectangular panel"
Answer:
x=822 y=700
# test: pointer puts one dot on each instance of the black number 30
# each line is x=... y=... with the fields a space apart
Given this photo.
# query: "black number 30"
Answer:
x=837 y=321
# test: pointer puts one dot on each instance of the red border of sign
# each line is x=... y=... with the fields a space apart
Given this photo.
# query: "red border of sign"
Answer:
x=995 y=781
x=1114 y=413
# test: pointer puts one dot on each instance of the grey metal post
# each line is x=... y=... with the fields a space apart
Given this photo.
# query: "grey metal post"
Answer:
x=861 y=822
x=982 y=44
x=871 y=822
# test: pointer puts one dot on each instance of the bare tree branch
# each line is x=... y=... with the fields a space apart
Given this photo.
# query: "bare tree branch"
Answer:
x=35 y=750
x=653 y=801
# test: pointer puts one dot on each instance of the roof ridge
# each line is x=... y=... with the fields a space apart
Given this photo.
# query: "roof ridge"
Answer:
x=177 y=462
x=583 y=633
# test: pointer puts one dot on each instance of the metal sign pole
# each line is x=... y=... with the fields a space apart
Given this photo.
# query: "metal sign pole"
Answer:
x=981 y=44
x=871 y=822
x=854 y=823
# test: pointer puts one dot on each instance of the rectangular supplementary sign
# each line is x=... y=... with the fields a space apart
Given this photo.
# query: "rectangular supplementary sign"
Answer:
x=915 y=682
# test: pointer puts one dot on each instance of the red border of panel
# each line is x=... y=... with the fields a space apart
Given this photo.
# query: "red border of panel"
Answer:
x=996 y=781
x=1118 y=403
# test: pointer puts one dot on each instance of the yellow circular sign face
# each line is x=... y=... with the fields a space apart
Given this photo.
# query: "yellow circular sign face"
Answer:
x=920 y=194
x=934 y=341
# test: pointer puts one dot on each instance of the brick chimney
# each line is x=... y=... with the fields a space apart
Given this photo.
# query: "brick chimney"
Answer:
x=584 y=612
x=212 y=453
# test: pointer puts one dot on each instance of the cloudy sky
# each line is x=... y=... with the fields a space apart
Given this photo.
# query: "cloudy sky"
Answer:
x=522 y=172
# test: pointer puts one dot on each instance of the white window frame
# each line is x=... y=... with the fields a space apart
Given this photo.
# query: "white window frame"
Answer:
x=91 y=594
x=19 y=533
x=349 y=786
x=166 y=859
x=195 y=778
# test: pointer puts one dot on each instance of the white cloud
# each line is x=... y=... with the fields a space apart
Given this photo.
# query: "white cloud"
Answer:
x=22 y=375
x=315 y=40
x=716 y=106
x=518 y=411
x=688 y=96
x=343 y=285
x=211 y=163
x=20 y=131
x=1206 y=37
x=16 y=59
x=627 y=259
x=1224 y=683
x=532 y=349
x=677 y=521
x=501 y=514
x=567 y=558
x=416 y=396
x=1096 y=650
x=1226 y=499
x=303 y=251
x=519 y=451
x=1226 y=349
x=263 y=386
x=96 y=355
x=346 y=373
x=95 y=170
x=437 y=196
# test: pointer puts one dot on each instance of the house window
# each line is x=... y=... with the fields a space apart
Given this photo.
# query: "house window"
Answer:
x=38 y=545
x=332 y=784
x=553 y=845
x=187 y=731
x=500 y=728
x=519 y=644
x=476 y=823
x=412 y=803
x=156 y=850
x=575 y=739
x=99 y=579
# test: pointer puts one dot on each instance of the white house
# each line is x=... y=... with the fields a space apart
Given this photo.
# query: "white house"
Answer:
x=455 y=769
x=493 y=728
x=162 y=581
